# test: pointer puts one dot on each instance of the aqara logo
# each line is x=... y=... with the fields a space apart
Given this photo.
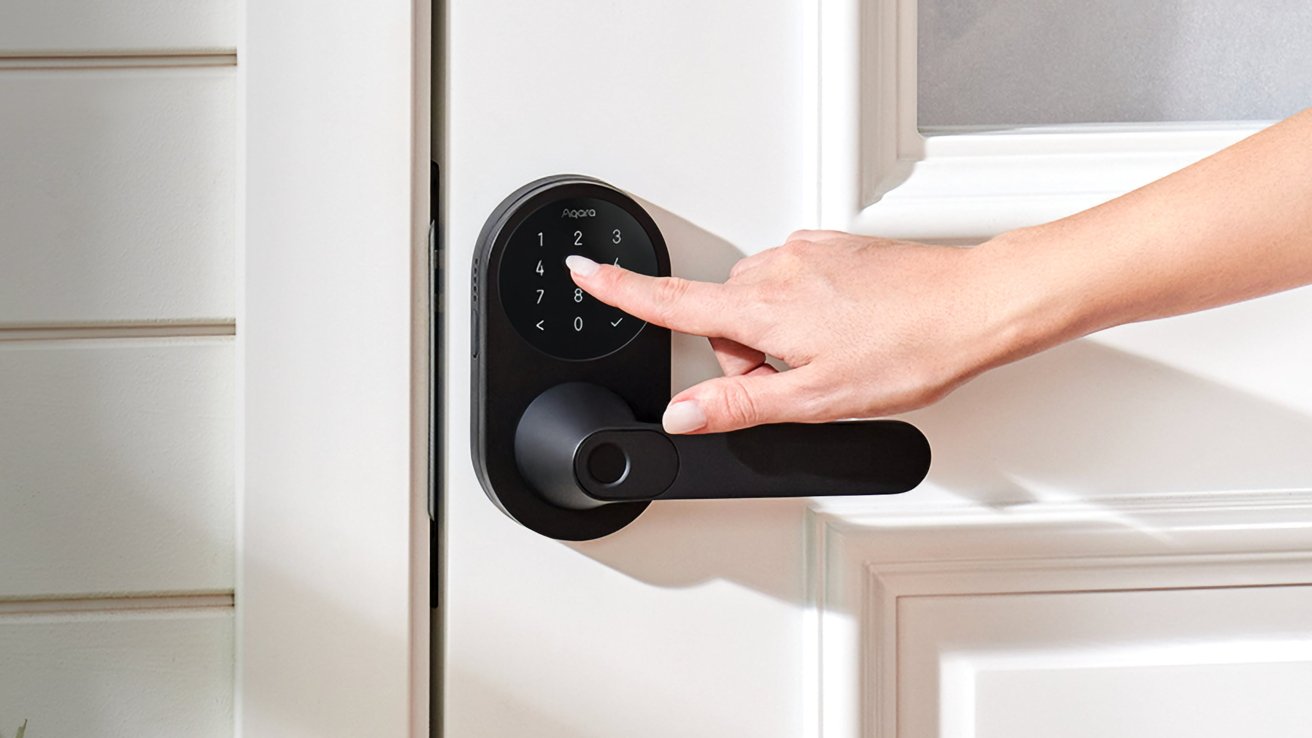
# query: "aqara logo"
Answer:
x=568 y=213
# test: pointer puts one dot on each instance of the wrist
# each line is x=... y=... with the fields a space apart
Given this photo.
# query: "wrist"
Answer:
x=1031 y=301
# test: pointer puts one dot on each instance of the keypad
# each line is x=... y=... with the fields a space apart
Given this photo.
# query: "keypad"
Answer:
x=540 y=298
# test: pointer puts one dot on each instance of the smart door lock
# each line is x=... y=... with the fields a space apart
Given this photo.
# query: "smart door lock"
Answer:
x=568 y=392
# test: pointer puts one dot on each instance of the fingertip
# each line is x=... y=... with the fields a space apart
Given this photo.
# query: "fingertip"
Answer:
x=581 y=266
x=684 y=416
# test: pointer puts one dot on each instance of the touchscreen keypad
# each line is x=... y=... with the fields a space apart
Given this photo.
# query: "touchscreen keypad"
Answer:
x=541 y=299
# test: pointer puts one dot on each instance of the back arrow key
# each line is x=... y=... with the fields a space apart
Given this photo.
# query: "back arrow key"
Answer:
x=540 y=326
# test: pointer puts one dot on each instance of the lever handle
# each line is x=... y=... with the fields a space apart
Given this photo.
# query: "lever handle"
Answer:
x=580 y=447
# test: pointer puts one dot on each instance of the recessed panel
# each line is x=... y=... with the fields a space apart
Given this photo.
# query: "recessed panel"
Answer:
x=117 y=195
x=1196 y=700
x=116 y=467
x=1208 y=662
x=132 y=674
x=50 y=27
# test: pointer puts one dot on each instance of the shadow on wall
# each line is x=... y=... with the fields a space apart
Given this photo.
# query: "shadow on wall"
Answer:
x=1079 y=421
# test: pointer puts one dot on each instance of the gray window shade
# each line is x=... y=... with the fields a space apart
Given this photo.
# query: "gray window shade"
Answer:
x=1028 y=62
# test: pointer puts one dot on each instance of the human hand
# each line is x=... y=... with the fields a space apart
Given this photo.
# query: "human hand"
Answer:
x=873 y=327
x=868 y=326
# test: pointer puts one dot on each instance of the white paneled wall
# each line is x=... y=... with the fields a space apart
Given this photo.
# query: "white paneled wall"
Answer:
x=118 y=169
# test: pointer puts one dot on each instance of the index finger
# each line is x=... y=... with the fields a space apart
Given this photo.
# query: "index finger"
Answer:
x=684 y=305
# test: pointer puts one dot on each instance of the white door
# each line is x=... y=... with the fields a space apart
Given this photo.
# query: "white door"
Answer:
x=1116 y=536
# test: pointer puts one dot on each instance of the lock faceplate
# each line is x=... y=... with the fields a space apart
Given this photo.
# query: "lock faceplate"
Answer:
x=533 y=330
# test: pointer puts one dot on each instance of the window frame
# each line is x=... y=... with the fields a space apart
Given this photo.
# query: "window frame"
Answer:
x=875 y=172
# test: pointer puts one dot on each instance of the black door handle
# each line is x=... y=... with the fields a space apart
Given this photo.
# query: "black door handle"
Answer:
x=580 y=447
x=566 y=389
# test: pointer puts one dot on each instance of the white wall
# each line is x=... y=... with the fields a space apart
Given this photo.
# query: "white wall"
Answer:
x=117 y=231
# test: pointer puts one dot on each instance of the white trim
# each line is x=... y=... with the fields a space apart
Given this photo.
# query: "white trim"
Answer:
x=864 y=560
x=877 y=173
x=332 y=583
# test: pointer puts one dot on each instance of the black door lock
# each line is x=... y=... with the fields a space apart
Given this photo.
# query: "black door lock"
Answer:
x=568 y=391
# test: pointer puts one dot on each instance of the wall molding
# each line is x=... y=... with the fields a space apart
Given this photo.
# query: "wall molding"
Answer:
x=101 y=331
x=864 y=561
x=100 y=605
x=133 y=60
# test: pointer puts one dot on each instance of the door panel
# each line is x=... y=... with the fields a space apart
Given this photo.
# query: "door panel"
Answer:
x=1185 y=700
x=1203 y=662
x=922 y=606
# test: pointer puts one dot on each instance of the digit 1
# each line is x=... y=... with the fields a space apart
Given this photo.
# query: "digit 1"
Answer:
x=540 y=242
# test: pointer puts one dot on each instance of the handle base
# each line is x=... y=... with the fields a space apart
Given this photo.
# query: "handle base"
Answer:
x=579 y=446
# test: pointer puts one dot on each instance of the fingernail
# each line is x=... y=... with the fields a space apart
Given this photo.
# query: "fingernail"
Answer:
x=581 y=265
x=681 y=417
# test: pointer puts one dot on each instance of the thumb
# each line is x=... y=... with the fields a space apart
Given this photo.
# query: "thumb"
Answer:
x=731 y=403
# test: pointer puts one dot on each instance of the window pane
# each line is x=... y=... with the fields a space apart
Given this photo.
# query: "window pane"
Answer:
x=1018 y=62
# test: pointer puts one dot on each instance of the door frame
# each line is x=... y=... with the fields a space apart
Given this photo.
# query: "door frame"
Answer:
x=332 y=593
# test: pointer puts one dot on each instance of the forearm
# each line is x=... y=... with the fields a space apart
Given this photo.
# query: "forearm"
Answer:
x=1233 y=226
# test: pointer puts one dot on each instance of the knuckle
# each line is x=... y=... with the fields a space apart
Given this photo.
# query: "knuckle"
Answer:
x=607 y=279
x=812 y=400
x=739 y=267
x=810 y=234
x=804 y=247
x=744 y=311
x=667 y=295
x=738 y=406
x=791 y=255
